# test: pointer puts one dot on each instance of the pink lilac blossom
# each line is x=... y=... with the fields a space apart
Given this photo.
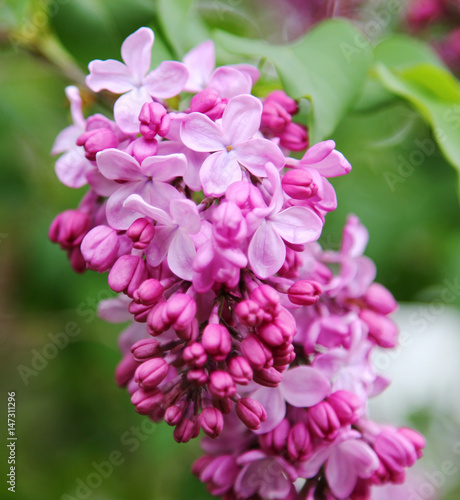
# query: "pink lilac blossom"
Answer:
x=208 y=231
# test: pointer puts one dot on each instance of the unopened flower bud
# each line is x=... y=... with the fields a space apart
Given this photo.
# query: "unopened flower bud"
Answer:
x=145 y=401
x=212 y=422
x=280 y=97
x=149 y=292
x=187 y=429
x=303 y=184
x=209 y=103
x=229 y=225
x=299 y=442
x=141 y=232
x=181 y=309
x=323 y=421
x=217 y=341
x=274 y=117
x=141 y=148
x=251 y=413
x=145 y=349
x=174 y=414
x=221 y=384
x=100 y=248
x=256 y=352
x=197 y=377
x=381 y=329
x=380 y=299
x=240 y=370
x=127 y=274
x=249 y=313
x=69 y=228
x=151 y=373
x=195 y=355
x=275 y=440
x=294 y=137
x=125 y=370
x=97 y=140
x=346 y=405
x=154 y=120
x=305 y=292
x=267 y=297
x=268 y=377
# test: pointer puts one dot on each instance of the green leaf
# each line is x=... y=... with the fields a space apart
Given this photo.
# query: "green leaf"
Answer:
x=328 y=66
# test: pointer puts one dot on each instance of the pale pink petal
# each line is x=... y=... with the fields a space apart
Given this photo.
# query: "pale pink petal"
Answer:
x=164 y=168
x=275 y=486
x=309 y=468
x=340 y=474
x=304 y=386
x=361 y=455
x=251 y=70
x=230 y=82
x=318 y=152
x=266 y=252
x=219 y=170
x=167 y=80
x=111 y=75
x=138 y=204
x=136 y=52
x=158 y=248
x=67 y=139
x=101 y=185
x=160 y=194
x=297 y=225
x=273 y=177
x=329 y=200
x=200 y=133
x=181 y=254
x=115 y=310
x=118 y=216
x=200 y=62
x=333 y=165
x=117 y=165
x=185 y=214
x=74 y=97
x=355 y=237
x=245 y=486
x=127 y=108
x=254 y=154
x=72 y=167
x=331 y=362
x=274 y=404
x=241 y=118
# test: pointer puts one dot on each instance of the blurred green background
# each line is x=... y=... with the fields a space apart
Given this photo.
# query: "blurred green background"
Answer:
x=70 y=414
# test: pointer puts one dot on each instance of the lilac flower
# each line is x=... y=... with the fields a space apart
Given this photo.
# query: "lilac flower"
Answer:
x=233 y=143
x=133 y=80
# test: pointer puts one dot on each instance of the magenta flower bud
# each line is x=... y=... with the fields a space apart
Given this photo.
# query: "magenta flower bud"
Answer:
x=323 y=421
x=285 y=322
x=274 y=117
x=209 y=103
x=180 y=309
x=145 y=349
x=200 y=465
x=240 y=370
x=415 y=438
x=139 y=311
x=141 y=232
x=268 y=377
x=256 y=352
x=145 y=401
x=149 y=292
x=283 y=355
x=302 y=184
x=217 y=341
x=299 y=442
x=126 y=275
x=219 y=473
x=381 y=329
x=251 y=413
x=249 y=313
x=221 y=384
x=97 y=140
x=197 y=377
x=275 y=440
x=142 y=148
x=270 y=334
x=195 y=355
x=100 y=248
x=346 y=405
x=212 y=422
x=190 y=333
x=395 y=451
x=224 y=405
x=294 y=137
x=154 y=120
x=77 y=261
x=174 y=415
x=157 y=319
x=125 y=370
x=229 y=225
x=305 y=292
x=69 y=228
x=267 y=298
x=151 y=373
x=379 y=299
x=187 y=429
x=280 y=97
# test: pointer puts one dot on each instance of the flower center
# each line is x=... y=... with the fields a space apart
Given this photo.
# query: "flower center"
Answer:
x=229 y=148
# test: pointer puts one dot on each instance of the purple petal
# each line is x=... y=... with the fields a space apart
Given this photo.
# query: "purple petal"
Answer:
x=230 y=82
x=115 y=310
x=200 y=62
x=241 y=118
x=274 y=404
x=138 y=204
x=245 y=486
x=185 y=214
x=136 y=52
x=297 y=225
x=200 y=133
x=117 y=165
x=304 y=386
x=340 y=474
x=331 y=362
x=127 y=108
x=266 y=252
x=72 y=167
x=255 y=153
x=158 y=248
x=167 y=80
x=219 y=170
x=310 y=467
x=181 y=254
x=164 y=168
x=111 y=75
x=275 y=486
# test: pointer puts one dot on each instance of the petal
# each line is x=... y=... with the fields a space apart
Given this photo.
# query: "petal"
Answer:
x=138 y=204
x=274 y=178
x=230 y=82
x=115 y=310
x=136 y=52
x=200 y=62
x=266 y=252
x=297 y=225
x=72 y=167
x=355 y=237
x=164 y=168
x=333 y=165
x=101 y=185
x=340 y=474
x=304 y=386
x=127 y=108
x=361 y=455
x=185 y=215
x=255 y=153
x=167 y=80
x=331 y=362
x=158 y=248
x=117 y=165
x=111 y=75
x=310 y=467
x=118 y=216
x=251 y=70
x=160 y=194
x=241 y=118
x=245 y=486
x=66 y=139
x=274 y=404
x=74 y=97
x=181 y=254
x=219 y=170
x=318 y=152
x=200 y=133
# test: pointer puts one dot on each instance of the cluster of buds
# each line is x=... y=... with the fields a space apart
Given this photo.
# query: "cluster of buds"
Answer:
x=208 y=231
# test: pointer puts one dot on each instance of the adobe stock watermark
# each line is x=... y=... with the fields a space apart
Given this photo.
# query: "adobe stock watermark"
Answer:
x=130 y=442
x=41 y=357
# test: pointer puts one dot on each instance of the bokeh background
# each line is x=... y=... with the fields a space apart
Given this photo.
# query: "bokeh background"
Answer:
x=71 y=417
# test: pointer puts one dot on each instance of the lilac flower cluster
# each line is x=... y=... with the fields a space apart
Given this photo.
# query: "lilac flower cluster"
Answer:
x=239 y=327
